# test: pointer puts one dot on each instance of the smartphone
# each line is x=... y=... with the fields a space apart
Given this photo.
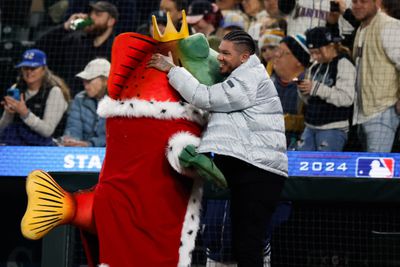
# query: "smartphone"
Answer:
x=297 y=80
x=14 y=92
x=334 y=7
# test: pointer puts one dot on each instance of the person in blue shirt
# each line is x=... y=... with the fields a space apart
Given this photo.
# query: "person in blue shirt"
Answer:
x=84 y=127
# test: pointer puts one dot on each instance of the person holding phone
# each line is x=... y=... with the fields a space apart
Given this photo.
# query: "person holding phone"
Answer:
x=35 y=114
x=328 y=93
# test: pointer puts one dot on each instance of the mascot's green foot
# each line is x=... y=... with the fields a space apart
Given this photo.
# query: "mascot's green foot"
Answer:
x=203 y=165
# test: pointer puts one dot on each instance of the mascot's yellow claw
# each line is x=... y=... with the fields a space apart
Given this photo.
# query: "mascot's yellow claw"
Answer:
x=48 y=205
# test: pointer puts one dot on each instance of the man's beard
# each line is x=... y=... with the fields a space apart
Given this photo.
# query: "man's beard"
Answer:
x=96 y=30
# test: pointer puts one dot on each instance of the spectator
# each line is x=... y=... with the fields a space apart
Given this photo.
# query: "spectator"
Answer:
x=256 y=13
x=328 y=93
x=376 y=54
x=290 y=61
x=129 y=18
x=84 y=127
x=273 y=23
x=147 y=28
x=232 y=14
x=174 y=7
x=271 y=6
x=38 y=112
x=245 y=114
x=230 y=28
x=306 y=14
x=267 y=45
x=204 y=17
x=70 y=51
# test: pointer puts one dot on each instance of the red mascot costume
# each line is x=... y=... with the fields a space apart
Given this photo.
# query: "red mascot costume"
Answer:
x=144 y=211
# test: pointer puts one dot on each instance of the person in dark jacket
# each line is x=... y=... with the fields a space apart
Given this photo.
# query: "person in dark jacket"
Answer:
x=328 y=93
x=84 y=127
x=70 y=50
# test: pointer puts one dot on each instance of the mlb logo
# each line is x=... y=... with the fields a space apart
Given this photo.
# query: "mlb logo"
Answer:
x=375 y=167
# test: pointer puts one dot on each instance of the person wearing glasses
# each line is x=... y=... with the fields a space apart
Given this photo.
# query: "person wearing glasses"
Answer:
x=37 y=112
x=290 y=60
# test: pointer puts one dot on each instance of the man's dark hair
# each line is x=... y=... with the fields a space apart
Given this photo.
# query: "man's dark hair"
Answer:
x=241 y=38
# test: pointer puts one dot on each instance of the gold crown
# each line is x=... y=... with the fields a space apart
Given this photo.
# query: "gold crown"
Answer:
x=170 y=33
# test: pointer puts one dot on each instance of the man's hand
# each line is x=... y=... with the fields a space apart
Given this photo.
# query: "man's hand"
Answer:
x=14 y=106
x=333 y=17
x=305 y=87
x=161 y=62
x=67 y=24
x=69 y=141
x=342 y=5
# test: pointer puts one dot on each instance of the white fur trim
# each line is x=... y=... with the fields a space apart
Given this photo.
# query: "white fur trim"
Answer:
x=175 y=146
x=103 y=265
x=191 y=224
x=137 y=108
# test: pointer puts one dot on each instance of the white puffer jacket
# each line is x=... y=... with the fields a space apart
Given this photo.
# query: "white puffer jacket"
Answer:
x=246 y=118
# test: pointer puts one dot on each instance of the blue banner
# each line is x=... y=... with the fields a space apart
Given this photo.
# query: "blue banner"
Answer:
x=19 y=161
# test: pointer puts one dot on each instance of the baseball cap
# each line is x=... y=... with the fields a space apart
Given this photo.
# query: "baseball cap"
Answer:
x=320 y=36
x=233 y=19
x=297 y=45
x=95 y=68
x=197 y=10
x=32 y=58
x=104 y=6
x=271 y=37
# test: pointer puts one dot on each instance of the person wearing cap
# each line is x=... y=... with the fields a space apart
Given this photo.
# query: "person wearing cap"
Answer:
x=38 y=112
x=244 y=136
x=267 y=44
x=84 y=127
x=147 y=28
x=232 y=14
x=328 y=93
x=204 y=17
x=256 y=14
x=70 y=50
x=130 y=17
x=290 y=60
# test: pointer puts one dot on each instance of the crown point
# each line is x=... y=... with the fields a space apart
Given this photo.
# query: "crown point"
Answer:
x=170 y=33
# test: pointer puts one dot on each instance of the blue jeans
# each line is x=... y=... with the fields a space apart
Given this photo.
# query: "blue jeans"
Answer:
x=377 y=134
x=322 y=140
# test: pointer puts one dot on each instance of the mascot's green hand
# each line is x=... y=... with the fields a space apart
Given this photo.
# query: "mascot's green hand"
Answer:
x=204 y=166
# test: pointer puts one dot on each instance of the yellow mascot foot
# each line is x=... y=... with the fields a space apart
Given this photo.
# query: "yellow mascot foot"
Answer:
x=48 y=205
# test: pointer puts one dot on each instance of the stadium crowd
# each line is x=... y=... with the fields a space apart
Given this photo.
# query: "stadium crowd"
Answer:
x=335 y=64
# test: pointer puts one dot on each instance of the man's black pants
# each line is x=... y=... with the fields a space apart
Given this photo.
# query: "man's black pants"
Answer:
x=254 y=195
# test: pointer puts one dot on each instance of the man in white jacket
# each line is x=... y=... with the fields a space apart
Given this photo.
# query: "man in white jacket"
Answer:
x=245 y=136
